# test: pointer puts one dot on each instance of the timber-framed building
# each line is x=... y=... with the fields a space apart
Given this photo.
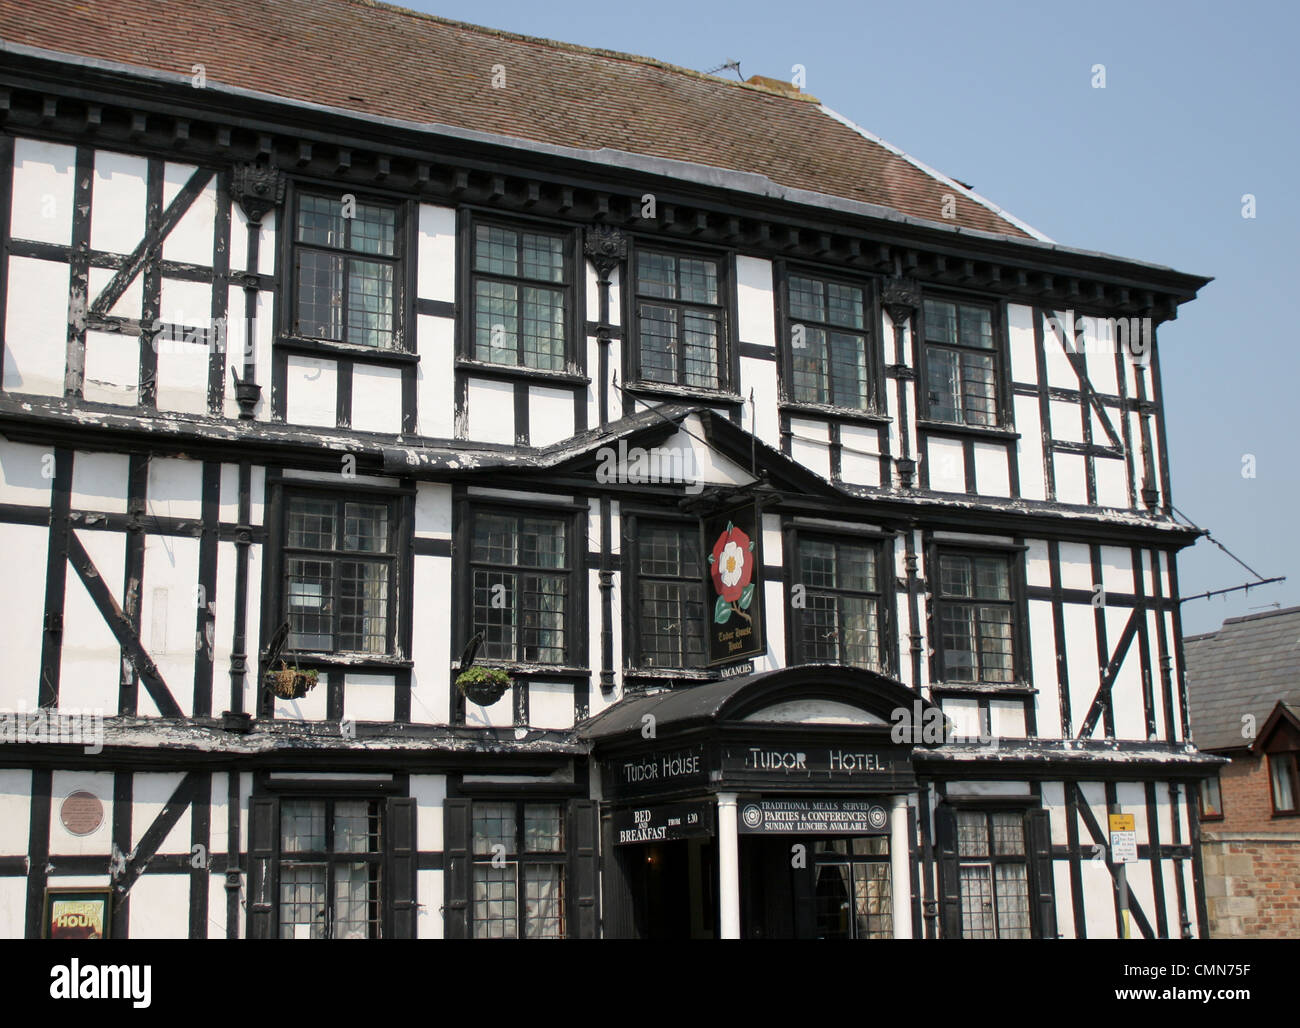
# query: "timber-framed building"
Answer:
x=812 y=512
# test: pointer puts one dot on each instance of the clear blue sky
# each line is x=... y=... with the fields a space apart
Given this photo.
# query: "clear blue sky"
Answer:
x=1201 y=105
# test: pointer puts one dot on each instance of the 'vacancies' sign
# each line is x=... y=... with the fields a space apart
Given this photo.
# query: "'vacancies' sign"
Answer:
x=734 y=610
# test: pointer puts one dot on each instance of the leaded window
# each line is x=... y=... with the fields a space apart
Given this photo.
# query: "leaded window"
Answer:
x=331 y=868
x=840 y=620
x=521 y=293
x=345 y=256
x=670 y=590
x=681 y=322
x=960 y=363
x=519 y=879
x=852 y=891
x=993 y=869
x=976 y=614
x=339 y=573
x=826 y=324
x=521 y=581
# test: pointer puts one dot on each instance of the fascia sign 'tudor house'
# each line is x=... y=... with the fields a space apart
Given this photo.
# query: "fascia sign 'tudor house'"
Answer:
x=802 y=530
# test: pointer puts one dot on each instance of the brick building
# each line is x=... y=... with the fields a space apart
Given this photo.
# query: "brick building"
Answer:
x=1245 y=706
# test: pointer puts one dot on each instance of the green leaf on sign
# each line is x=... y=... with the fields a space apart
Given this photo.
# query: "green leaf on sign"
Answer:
x=721 y=611
x=746 y=597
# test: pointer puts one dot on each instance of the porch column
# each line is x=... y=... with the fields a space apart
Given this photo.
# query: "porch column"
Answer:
x=728 y=866
x=900 y=867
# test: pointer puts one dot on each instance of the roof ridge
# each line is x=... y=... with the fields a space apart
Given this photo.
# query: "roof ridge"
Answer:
x=1264 y=614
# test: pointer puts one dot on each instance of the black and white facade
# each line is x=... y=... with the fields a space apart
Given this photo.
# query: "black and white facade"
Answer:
x=388 y=389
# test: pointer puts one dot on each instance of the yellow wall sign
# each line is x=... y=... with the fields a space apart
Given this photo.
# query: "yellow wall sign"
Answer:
x=1122 y=823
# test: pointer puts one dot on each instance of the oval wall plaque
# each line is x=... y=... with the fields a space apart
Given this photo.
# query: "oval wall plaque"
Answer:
x=82 y=813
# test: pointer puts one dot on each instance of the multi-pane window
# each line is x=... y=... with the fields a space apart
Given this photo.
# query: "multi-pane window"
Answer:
x=346 y=260
x=339 y=573
x=520 y=585
x=1285 y=781
x=1211 y=797
x=518 y=870
x=852 y=892
x=331 y=868
x=670 y=594
x=960 y=363
x=520 y=285
x=976 y=618
x=993 y=866
x=681 y=324
x=826 y=325
x=841 y=616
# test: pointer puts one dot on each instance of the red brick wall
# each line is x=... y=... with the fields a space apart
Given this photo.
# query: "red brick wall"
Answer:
x=1247 y=804
x=1252 y=885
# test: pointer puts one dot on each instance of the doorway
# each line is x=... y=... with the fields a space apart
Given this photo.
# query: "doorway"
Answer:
x=674 y=887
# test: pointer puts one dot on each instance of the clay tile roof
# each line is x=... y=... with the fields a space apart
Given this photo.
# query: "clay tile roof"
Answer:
x=1245 y=667
x=373 y=58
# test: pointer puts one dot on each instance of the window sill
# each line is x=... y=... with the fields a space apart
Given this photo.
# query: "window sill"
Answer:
x=520 y=374
x=957 y=689
x=975 y=431
x=668 y=391
x=826 y=410
x=1282 y=815
x=349 y=661
x=525 y=670
x=685 y=674
x=329 y=348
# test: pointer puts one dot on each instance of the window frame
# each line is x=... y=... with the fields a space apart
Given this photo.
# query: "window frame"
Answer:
x=330 y=858
x=876 y=409
x=1201 y=790
x=1290 y=762
x=467 y=221
x=402 y=262
x=987 y=810
x=632 y=521
x=575 y=621
x=1021 y=677
x=521 y=857
x=397 y=559
x=728 y=357
x=1003 y=404
x=887 y=624
x=821 y=858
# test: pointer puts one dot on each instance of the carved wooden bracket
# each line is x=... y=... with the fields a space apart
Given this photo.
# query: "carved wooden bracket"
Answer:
x=258 y=188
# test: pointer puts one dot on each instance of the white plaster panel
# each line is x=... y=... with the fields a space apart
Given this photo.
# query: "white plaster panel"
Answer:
x=1043 y=650
x=1007 y=719
x=175 y=487
x=1038 y=569
x=1076 y=566
x=266 y=235
x=550 y=415
x=964 y=715
x=859 y=457
x=44 y=174
x=1060 y=372
x=238 y=240
x=368 y=697
x=992 y=470
x=112 y=370
x=947 y=460
x=491 y=411
x=117 y=208
x=13 y=907
x=229 y=508
x=36 y=327
x=22 y=612
x=129 y=305
x=433 y=510
x=495 y=715
x=183 y=364
x=428 y=922
x=429 y=793
x=186 y=303
x=160 y=907
x=1117 y=569
x=91 y=655
x=760 y=376
x=754 y=300
x=1053 y=801
x=311 y=707
x=436 y=250
x=1101 y=355
x=430 y=650
x=190 y=242
x=1065 y=927
x=23 y=470
x=150 y=792
x=1020 y=339
x=62 y=842
x=1081 y=653
x=311 y=388
x=1067 y=424
x=168 y=612
x=15 y=809
x=1071 y=478
x=1030 y=449
x=810 y=445
x=1112 y=483
x=376 y=398
x=435 y=381
x=1126 y=691
x=550 y=704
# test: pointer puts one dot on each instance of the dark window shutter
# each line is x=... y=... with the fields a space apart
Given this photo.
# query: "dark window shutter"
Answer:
x=459 y=867
x=945 y=832
x=1040 y=845
x=401 y=867
x=263 y=867
x=584 y=875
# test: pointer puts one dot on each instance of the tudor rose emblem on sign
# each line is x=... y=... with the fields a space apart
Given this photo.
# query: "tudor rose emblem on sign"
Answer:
x=876 y=817
x=752 y=815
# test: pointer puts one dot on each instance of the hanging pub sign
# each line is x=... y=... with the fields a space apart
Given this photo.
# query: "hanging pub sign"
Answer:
x=77 y=913
x=734 y=608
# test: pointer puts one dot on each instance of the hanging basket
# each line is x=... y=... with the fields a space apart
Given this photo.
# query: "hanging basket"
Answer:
x=483 y=685
x=291 y=683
